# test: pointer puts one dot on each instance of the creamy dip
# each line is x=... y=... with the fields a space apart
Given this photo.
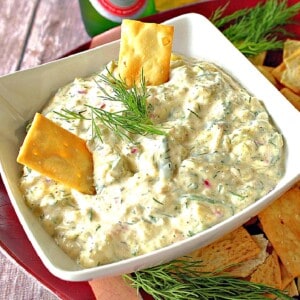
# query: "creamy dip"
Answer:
x=220 y=154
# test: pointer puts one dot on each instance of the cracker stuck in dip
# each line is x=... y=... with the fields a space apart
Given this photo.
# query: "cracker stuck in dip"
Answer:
x=220 y=153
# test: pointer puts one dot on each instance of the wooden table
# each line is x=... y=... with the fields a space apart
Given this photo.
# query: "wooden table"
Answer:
x=37 y=31
x=31 y=33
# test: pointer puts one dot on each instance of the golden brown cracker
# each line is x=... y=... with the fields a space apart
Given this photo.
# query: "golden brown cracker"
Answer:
x=259 y=58
x=278 y=71
x=291 y=96
x=286 y=277
x=289 y=47
x=145 y=49
x=267 y=72
x=292 y=289
x=57 y=154
x=281 y=223
x=268 y=273
x=245 y=268
x=234 y=248
x=291 y=74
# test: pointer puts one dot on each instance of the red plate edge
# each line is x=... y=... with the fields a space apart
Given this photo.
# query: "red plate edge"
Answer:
x=13 y=239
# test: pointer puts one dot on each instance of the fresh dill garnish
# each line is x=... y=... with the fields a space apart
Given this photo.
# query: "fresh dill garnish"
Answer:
x=259 y=28
x=133 y=119
x=182 y=279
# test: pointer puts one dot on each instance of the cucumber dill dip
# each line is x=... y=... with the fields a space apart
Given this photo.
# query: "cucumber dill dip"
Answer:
x=209 y=150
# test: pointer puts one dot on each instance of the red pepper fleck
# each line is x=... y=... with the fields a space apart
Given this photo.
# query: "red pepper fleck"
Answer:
x=102 y=105
x=207 y=183
x=82 y=91
x=218 y=212
x=134 y=150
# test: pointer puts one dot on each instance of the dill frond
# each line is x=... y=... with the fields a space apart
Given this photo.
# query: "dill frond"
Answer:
x=133 y=119
x=257 y=29
x=182 y=279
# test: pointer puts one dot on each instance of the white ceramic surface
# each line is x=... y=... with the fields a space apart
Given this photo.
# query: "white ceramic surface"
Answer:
x=25 y=92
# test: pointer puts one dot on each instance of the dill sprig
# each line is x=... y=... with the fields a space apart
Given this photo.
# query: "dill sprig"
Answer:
x=257 y=29
x=182 y=279
x=133 y=119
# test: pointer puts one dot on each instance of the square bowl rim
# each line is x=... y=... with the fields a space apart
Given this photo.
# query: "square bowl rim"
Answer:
x=147 y=259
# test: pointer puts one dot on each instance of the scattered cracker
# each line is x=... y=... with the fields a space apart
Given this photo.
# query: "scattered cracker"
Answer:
x=288 y=72
x=278 y=71
x=58 y=154
x=268 y=273
x=145 y=48
x=258 y=59
x=291 y=96
x=234 y=248
x=247 y=267
x=267 y=72
x=292 y=289
x=286 y=277
x=281 y=224
x=289 y=47
x=291 y=75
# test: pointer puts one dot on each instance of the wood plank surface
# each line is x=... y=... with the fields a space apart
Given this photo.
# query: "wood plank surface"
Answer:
x=15 y=20
x=38 y=31
x=57 y=29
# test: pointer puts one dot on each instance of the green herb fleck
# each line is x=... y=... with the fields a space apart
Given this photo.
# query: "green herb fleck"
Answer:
x=157 y=201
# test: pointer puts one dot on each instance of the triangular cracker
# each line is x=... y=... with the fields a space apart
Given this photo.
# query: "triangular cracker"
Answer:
x=281 y=223
x=247 y=267
x=292 y=290
x=286 y=277
x=291 y=75
x=268 y=273
x=289 y=47
x=234 y=248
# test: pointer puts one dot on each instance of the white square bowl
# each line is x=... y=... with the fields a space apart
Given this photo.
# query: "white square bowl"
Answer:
x=25 y=92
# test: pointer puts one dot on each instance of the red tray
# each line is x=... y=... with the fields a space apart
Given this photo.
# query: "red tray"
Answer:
x=13 y=239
